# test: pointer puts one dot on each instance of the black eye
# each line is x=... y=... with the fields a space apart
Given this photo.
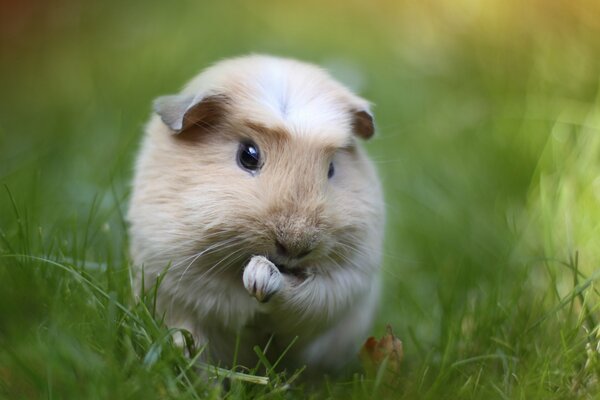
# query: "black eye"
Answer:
x=248 y=156
x=331 y=170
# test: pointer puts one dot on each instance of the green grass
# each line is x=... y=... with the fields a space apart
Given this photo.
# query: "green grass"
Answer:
x=488 y=147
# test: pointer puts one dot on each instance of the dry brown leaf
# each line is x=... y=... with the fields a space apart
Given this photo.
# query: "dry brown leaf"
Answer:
x=384 y=353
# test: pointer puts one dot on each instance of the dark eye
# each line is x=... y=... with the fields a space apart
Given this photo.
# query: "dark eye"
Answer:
x=248 y=156
x=331 y=170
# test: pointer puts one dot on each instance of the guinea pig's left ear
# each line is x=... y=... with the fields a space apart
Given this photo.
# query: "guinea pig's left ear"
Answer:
x=362 y=123
x=181 y=112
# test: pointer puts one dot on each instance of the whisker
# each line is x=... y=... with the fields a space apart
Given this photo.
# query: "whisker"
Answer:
x=209 y=250
x=211 y=269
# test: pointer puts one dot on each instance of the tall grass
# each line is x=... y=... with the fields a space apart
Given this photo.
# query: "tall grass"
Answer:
x=488 y=145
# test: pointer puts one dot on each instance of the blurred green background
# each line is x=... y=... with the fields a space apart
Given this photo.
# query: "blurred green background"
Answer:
x=488 y=146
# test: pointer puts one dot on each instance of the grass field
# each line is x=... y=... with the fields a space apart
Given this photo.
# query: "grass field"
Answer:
x=488 y=145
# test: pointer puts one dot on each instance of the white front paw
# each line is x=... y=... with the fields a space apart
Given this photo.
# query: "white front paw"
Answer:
x=261 y=278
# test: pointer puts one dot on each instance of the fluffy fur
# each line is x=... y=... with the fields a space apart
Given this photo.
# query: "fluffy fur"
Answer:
x=196 y=218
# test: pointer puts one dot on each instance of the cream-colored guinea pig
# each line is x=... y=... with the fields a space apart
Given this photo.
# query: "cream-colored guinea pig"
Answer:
x=260 y=214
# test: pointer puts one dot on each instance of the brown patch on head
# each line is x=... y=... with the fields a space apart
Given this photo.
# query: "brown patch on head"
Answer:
x=272 y=135
x=349 y=148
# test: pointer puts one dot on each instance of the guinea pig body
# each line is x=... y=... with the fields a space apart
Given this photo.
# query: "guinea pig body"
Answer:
x=260 y=214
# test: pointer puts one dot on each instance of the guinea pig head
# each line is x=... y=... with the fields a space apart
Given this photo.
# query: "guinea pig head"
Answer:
x=271 y=161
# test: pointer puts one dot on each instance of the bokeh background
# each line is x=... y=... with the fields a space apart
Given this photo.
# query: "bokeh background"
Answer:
x=488 y=146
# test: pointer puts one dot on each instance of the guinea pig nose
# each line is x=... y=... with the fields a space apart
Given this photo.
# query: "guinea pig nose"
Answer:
x=281 y=249
x=289 y=251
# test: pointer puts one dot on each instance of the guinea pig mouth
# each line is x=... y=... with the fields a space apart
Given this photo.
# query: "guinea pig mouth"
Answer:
x=299 y=273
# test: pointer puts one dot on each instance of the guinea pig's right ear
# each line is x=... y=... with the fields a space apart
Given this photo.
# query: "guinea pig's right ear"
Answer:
x=181 y=112
x=362 y=123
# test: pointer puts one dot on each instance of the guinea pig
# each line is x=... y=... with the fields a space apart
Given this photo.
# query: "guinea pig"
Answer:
x=259 y=215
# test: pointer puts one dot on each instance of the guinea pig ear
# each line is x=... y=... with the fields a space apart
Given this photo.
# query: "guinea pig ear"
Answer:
x=362 y=123
x=181 y=112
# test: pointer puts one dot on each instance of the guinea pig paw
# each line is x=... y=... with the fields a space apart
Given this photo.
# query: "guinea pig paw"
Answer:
x=261 y=278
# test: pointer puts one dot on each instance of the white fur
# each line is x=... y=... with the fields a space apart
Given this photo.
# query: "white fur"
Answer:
x=199 y=219
x=261 y=278
x=305 y=100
